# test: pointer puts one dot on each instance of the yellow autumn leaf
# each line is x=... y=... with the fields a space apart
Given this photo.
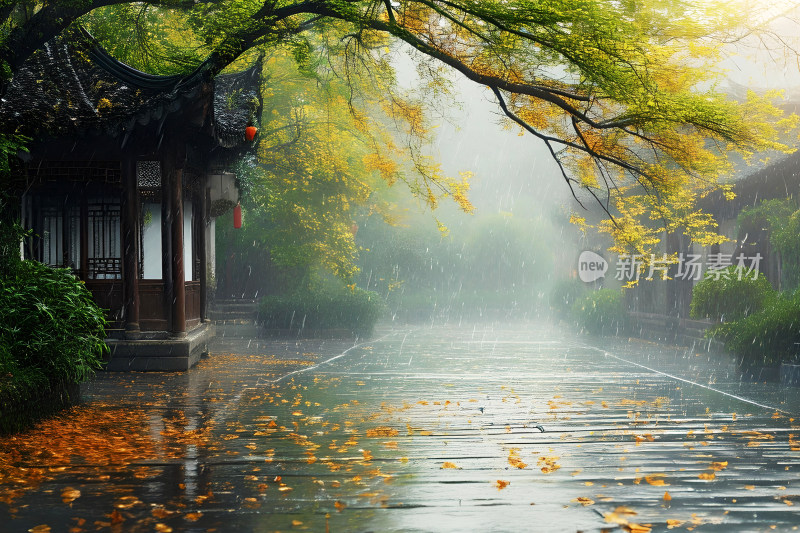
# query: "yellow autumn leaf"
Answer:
x=127 y=502
x=382 y=431
x=655 y=479
x=515 y=460
x=448 y=464
x=69 y=495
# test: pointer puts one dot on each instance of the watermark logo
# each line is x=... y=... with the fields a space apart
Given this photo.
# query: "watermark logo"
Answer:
x=591 y=266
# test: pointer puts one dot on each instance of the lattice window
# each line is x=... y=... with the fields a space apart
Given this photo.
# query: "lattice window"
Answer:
x=104 y=260
x=59 y=231
x=52 y=235
x=148 y=174
x=80 y=171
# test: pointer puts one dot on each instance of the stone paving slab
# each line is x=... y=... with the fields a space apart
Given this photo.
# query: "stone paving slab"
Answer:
x=426 y=429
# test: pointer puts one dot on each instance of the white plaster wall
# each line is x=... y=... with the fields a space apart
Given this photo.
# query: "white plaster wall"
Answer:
x=211 y=247
x=151 y=242
x=187 y=240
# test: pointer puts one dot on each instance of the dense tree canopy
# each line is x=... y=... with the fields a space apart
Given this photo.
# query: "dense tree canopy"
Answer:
x=624 y=94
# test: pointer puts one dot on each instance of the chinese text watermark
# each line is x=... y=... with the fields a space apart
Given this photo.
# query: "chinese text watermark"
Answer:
x=633 y=267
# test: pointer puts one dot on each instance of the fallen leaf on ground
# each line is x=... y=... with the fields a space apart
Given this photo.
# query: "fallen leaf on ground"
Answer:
x=655 y=479
x=514 y=459
x=69 y=495
x=116 y=517
x=126 y=502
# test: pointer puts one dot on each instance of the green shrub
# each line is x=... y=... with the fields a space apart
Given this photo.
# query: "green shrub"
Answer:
x=50 y=322
x=729 y=297
x=767 y=337
x=563 y=296
x=52 y=337
x=601 y=312
x=323 y=305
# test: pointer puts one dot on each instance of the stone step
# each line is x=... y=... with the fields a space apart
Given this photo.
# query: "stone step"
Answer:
x=234 y=307
x=237 y=329
x=232 y=315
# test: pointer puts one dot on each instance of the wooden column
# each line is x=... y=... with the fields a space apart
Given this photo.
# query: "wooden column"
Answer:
x=174 y=173
x=166 y=244
x=130 y=247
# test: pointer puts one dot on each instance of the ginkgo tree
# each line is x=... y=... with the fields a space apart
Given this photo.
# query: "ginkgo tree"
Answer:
x=624 y=94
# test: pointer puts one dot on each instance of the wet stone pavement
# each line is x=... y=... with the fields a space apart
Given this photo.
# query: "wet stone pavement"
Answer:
x=417 y=429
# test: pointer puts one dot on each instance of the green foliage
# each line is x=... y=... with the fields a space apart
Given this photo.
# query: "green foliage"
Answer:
x=601 y=312
x=767 y=215
x=324 y=306
x=10 y=236
x=607 y=81
x=51 y=338
x=767 y=337
x=733 y=296
x=778 y=220
x=50 y=323
x=10 y=145
x=148 y=38
x=563 y=295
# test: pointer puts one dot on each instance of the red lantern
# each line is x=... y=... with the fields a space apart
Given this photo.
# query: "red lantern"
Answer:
x=237 y=216
x=250 y=133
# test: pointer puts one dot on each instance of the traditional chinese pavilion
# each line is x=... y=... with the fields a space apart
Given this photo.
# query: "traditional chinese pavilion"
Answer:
x=125 y=175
